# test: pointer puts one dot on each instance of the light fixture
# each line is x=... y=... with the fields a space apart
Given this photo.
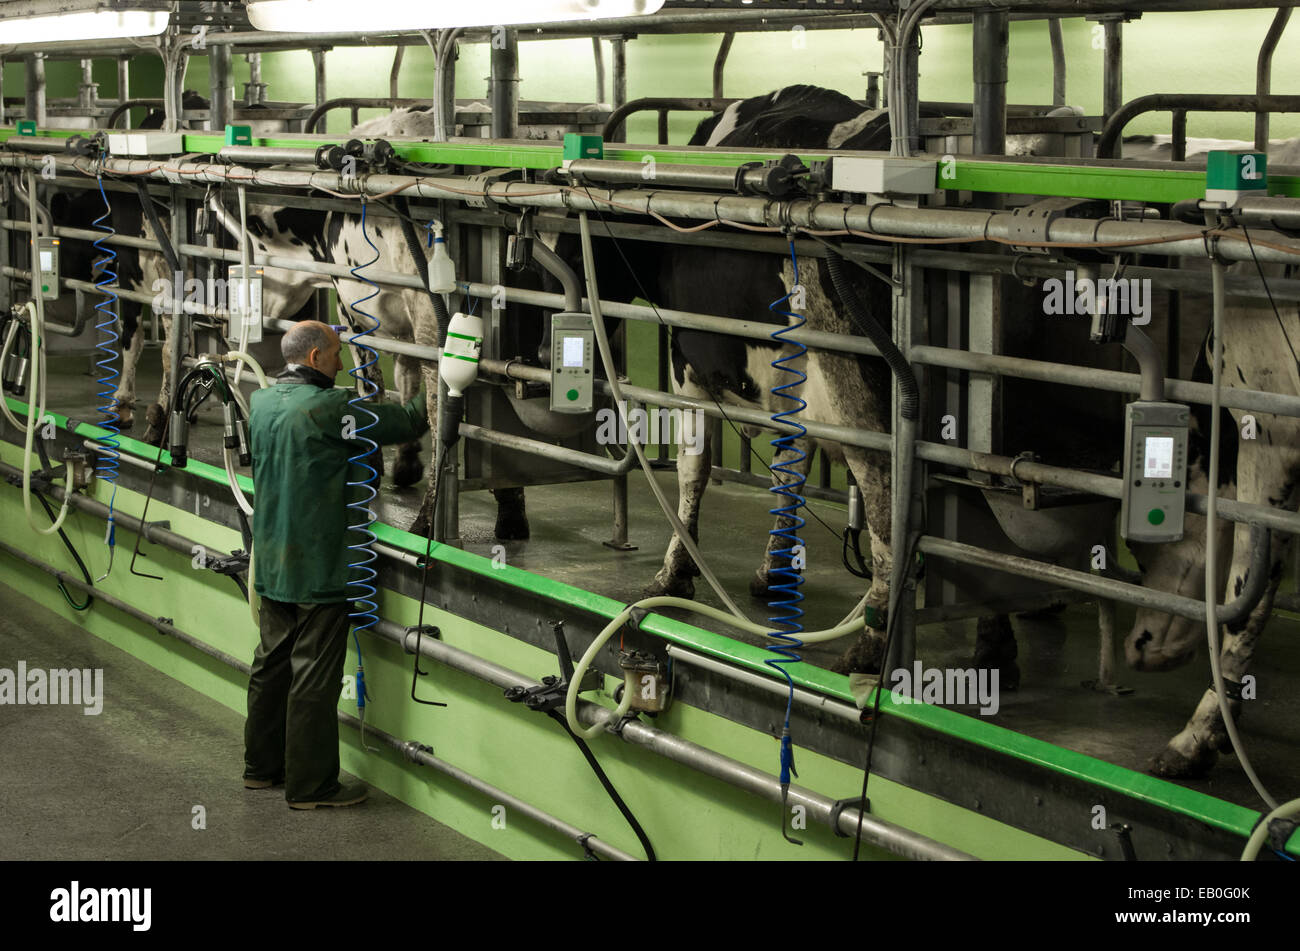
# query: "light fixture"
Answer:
x=372 y=16
x=49 y=21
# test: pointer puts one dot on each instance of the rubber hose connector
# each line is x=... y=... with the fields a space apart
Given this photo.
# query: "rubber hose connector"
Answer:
x=867 y=325
x=453 y=407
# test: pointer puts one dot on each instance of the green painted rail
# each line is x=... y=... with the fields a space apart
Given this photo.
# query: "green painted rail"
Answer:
x=1114 y=181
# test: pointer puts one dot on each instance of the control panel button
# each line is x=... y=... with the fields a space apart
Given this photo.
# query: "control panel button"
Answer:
x=1156 y=516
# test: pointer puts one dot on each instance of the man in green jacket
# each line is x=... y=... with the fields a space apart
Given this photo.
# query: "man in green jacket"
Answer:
x=301 y=431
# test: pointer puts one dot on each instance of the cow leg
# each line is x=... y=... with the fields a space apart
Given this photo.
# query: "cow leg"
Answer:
x=996 y=649
x=871 y=471
x=408 y=469
x=676 y=577
x=132 y=346
x=760 y=586
x=1195 y=749
x=156 y=415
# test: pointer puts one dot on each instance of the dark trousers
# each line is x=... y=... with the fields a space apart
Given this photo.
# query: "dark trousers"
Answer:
x=293 y=697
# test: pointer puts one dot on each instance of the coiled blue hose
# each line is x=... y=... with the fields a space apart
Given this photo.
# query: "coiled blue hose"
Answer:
x=363 y=573
x=106 y=463
x=787 y=623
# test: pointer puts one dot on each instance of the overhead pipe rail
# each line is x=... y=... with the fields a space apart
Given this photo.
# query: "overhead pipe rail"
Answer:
x=1180 y=104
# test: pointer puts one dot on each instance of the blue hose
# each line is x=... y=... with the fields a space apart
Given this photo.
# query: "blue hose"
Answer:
x=106 y=463
x=363 y=573
x=787 y=623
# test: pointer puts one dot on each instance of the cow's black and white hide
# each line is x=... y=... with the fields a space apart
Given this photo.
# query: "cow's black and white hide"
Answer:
x=743 y=284
x=1257 y=354
x=1263 y=470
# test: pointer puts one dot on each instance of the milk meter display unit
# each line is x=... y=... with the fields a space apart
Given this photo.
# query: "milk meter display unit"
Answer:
x=244 y=304
x=572 y=352
x=1155 y=472
x=47 y=254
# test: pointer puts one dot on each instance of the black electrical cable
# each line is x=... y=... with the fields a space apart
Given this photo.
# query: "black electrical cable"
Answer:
x=90 y=599
x=164 y=243
x=609 y=786
x=45 y=464
x=862 y=570
x=416 y=672
x=896 y=598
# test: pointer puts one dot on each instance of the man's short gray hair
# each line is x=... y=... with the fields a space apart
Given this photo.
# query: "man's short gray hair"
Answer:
x=303 y=337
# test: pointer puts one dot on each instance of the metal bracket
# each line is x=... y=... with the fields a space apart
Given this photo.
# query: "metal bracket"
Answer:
x=424 y=630
x=1122 y=832
x=485 y=180
x=1031 y=222
x=838 y=807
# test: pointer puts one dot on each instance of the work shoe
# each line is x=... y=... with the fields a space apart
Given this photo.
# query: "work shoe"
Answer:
x=349 y=794
x=250 y=783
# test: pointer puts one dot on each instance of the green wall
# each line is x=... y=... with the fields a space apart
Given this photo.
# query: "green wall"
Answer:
x=1165 y=52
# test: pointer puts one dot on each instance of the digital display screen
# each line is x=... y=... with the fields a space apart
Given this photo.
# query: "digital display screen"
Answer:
x=574 y=349
x=1159 y=457
x=47 y=260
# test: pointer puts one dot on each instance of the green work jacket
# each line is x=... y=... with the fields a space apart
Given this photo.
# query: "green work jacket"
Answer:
x=300 y=445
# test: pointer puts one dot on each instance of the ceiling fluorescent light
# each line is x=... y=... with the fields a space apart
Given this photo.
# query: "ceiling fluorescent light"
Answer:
x=373 y=16
x=82 y=25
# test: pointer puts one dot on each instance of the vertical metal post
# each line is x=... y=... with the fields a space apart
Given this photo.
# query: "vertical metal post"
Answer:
x=1264 y=73
x=1112 y=92
x=2 y=97
x=598 y=54
x=1058 y=62
x=989 y=67
x=503 y=84
x=398 y=53
x=715 y=451
x=254 y=88
x=219 y=86
x=620 y=70
x=661 y=376
x=1179 y=144
x=318 y=67
x=720 y=63
x=663 y=127
x=907 y=315
x=1106 y=648
x=123 y=78
x=86 y=93
x=35 y=91
x=984 y=392
x=911 y=81
x=179 y=343
x=619 y=542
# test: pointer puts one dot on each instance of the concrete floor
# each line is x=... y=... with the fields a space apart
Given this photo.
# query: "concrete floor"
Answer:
x=1057 y=652
x=122 y=785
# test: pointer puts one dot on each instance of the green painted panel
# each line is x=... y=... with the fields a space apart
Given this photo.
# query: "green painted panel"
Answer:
x=1112 y=183
x=1204 y=808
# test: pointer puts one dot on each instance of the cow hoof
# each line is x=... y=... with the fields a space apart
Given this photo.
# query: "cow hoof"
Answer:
x=408 y=470
x=125 y=414
x=155 y=424
x=760 y=586
x=996 y=649
x=512 y=516
x=511 y=527
x=1172 y=764
x=668 y=585
x=864 y=657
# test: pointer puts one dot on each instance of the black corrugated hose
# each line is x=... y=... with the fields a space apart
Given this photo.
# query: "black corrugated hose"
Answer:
x=867 y=325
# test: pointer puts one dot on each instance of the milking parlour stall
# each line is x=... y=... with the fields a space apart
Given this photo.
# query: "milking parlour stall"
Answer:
x=655 y=430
